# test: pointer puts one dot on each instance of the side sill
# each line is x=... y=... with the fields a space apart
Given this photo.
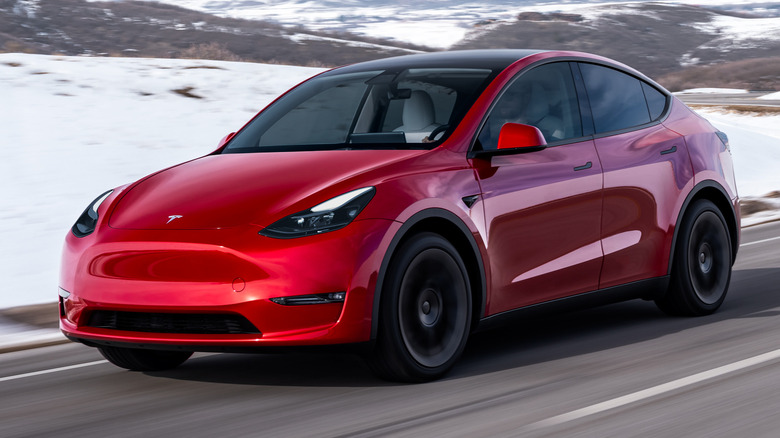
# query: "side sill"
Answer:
x=645 y=289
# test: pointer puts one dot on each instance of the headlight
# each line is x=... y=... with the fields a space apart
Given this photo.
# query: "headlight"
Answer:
x=331 y=215
x=88 y=220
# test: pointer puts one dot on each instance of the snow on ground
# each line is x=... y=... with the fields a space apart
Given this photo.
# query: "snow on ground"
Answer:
x=740 y=33
x=712 y=91
x=755 y=146
x=74 y=127
x=770 y=96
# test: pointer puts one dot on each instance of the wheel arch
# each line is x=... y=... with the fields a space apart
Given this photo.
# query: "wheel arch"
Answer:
x=715 y=193
x=452 y=228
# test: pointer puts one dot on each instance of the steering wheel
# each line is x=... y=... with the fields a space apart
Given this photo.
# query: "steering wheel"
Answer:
x=437 y=131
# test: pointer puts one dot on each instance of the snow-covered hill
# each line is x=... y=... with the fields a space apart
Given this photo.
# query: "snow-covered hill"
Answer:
x=658 y=38
x=73 y=127
x=158 y=30
x=433 y=23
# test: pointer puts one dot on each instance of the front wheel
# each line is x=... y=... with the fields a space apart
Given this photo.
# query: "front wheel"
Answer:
x=701 y=269
x=144 y=360
x=425 y=312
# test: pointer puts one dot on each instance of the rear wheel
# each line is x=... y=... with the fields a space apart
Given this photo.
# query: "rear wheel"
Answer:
x=702 y=263
x=144 y=360
x=425 y=312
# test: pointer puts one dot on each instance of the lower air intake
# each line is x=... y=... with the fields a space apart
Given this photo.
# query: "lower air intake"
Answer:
x=207 y=323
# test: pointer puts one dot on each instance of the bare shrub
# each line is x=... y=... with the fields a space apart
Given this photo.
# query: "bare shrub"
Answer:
x=752 y=206
x=213 y=51
x=187 y=92
x=14 y=46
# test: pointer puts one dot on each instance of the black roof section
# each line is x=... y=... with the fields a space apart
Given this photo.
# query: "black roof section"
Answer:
x=496 y=59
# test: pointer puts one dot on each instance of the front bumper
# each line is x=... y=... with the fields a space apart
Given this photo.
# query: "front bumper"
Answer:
x=231 y=272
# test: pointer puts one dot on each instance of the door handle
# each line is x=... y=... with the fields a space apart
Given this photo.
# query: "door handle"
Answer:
x=671 y=150
x=587 y=165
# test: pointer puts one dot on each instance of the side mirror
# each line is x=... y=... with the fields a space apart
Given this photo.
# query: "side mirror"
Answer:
x=514 y=138
x=518 y=136
x=225 y=139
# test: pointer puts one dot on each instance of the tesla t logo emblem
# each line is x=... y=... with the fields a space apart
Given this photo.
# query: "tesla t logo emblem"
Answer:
x=173 y=217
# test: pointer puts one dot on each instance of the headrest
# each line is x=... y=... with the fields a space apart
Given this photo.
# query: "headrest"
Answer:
x=418 y=111
x=537 y=106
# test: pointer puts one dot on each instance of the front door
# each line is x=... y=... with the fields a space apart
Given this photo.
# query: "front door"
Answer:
x=542 y=209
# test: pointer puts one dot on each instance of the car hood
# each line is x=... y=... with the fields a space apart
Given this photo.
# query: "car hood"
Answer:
x=223 y=191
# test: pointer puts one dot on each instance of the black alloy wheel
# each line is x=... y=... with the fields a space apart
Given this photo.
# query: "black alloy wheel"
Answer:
x=701 y=269
x=425 y=313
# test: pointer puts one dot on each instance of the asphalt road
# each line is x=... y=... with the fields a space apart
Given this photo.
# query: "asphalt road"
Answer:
x=620 y=370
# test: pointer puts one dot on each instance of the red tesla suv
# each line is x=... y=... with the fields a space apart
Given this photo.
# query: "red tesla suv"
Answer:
x=399 y=204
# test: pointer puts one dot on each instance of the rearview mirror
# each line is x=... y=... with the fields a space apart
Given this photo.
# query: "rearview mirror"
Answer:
x=519 y=136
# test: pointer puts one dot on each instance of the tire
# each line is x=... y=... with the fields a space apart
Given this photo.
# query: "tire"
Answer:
x=144 y=360
x=701 y=269
x=425 y=311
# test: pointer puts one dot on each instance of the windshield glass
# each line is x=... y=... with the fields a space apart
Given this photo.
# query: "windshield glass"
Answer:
x=412 y=108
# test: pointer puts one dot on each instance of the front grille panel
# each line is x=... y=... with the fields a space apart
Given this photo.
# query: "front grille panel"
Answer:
x=205 y=323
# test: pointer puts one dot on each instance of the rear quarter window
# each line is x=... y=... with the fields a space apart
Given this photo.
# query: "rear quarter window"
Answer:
x=656 y=101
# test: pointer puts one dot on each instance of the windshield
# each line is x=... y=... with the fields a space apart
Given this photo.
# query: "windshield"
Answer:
x=412 y=108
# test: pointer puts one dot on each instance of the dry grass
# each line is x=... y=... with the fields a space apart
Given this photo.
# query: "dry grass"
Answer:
x=16 y=46
x=753 y=206
x=748 y=74
x=213 y=50
x=40 y=315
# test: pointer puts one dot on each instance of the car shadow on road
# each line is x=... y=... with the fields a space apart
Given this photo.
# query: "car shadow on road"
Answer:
x=519 y=343
x=289 y=369
x=752 y=294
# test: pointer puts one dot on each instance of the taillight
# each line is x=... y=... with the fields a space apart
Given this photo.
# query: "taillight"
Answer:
x=724 y=139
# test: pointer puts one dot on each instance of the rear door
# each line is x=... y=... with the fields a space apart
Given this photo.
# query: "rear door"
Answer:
x=646 y=166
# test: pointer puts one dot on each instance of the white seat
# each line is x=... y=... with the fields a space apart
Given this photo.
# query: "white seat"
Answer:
x=538 y=113
x=418 y=116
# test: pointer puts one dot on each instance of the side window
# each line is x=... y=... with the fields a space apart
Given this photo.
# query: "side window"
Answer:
x=544 y=97
x=617 y=100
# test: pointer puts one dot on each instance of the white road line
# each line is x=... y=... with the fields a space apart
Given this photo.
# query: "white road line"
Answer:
x=651 y=392
x=52 y=370
x=760 y=241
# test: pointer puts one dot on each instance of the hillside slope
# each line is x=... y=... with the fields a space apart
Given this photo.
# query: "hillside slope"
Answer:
x=130 y=28
x=654 y=38
x=435 y=23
